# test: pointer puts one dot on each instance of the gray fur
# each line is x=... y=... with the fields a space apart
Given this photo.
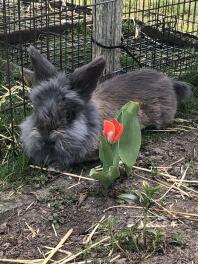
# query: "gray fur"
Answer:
x=43 y=69
x=154 y=90
x=183 y=90
x=65 y=125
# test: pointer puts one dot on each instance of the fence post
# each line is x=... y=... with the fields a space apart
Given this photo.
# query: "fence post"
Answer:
x=107 y=30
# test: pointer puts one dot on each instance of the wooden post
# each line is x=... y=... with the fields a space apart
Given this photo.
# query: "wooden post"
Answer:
x=107 y=30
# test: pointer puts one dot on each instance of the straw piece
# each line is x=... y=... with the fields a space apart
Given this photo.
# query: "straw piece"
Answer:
x=171 y=177
x=163 y=208
x=188 y=127
x=185 y=213
x=115 y=258
x=66 y=260
x=175 y=129
x=32 y=230
x=122 y=206
x=159 y=210
x=165 y=185
x=58 y=246
x=183 y=181
x=183 y=176
x=169 y=189
x=177 y=161
x=22 y=261
x=74 y=185
x=29 y=206
x=178 y=189
x=54 y=229
x=63 y=173
x=59 y=250
x=83 y=262
x=150 y=170
x=181 y=120
x=93 y=231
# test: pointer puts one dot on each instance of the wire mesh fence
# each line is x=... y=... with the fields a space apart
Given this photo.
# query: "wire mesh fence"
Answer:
x=160 y=34
x=165 y=33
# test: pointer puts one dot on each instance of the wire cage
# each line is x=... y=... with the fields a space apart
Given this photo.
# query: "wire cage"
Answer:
x=159 y=34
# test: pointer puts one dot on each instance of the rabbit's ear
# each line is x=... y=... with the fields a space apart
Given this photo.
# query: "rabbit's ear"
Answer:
x=85 y=78
x=43 y=69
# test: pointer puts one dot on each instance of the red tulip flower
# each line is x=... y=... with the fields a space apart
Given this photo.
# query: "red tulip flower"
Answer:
x=112 y=130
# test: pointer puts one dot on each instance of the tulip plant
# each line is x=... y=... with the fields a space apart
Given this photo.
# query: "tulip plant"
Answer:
x=120 y=141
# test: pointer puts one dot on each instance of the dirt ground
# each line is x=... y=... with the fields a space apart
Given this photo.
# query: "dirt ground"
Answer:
x=26 y=216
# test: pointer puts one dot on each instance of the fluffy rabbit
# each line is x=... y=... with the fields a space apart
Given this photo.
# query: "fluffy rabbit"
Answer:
x=68 y=110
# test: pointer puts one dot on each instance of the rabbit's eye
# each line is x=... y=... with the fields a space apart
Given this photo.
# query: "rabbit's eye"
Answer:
x=69 y=116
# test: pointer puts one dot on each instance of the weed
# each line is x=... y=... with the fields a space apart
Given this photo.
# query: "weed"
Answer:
x=147 y=240
x=179 y=240
x=58 y=198
x=56 y=219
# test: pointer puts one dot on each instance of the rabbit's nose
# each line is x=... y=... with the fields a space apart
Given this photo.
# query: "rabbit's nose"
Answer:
x=48 y=141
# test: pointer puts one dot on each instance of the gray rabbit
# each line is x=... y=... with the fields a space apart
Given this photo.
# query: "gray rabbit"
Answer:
x=68 y=110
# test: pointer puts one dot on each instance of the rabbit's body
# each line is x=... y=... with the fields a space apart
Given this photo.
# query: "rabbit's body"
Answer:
x=66 y=122
x=154 y=91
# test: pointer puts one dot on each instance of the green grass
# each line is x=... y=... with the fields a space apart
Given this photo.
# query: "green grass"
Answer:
x=14 y=169
x=16 y=172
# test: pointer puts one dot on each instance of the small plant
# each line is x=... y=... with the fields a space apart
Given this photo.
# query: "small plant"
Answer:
x=129 y=239
x=179 y=240
x=57 y=198
x=121 y=141
x=56 y=219
x=149 y=239
x=40 y=179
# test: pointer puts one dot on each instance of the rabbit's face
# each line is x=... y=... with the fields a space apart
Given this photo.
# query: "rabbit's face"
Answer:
x=64 y=126
x=55 y=104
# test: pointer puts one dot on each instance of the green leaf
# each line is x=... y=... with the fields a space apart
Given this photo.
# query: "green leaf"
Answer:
x=116 y=157
x=130 y=141
x=105 y=153
x=137 y=198
x=150 y=190
x=128 y=170
x=106 y=177
x=129 y=197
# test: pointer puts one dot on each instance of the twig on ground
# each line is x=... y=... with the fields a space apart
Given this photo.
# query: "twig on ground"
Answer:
x=54 y=250
x=68 y=253
x=89 y=237
x=115 y=258
x=151 y=170
x=68 y=259
x=183 y=176
x=54 y=229
x=177 y=161
x=22 y=261
x=63 y=173
x=176 y=213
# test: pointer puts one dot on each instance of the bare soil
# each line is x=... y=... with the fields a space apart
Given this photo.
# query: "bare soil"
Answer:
x=80 y=204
